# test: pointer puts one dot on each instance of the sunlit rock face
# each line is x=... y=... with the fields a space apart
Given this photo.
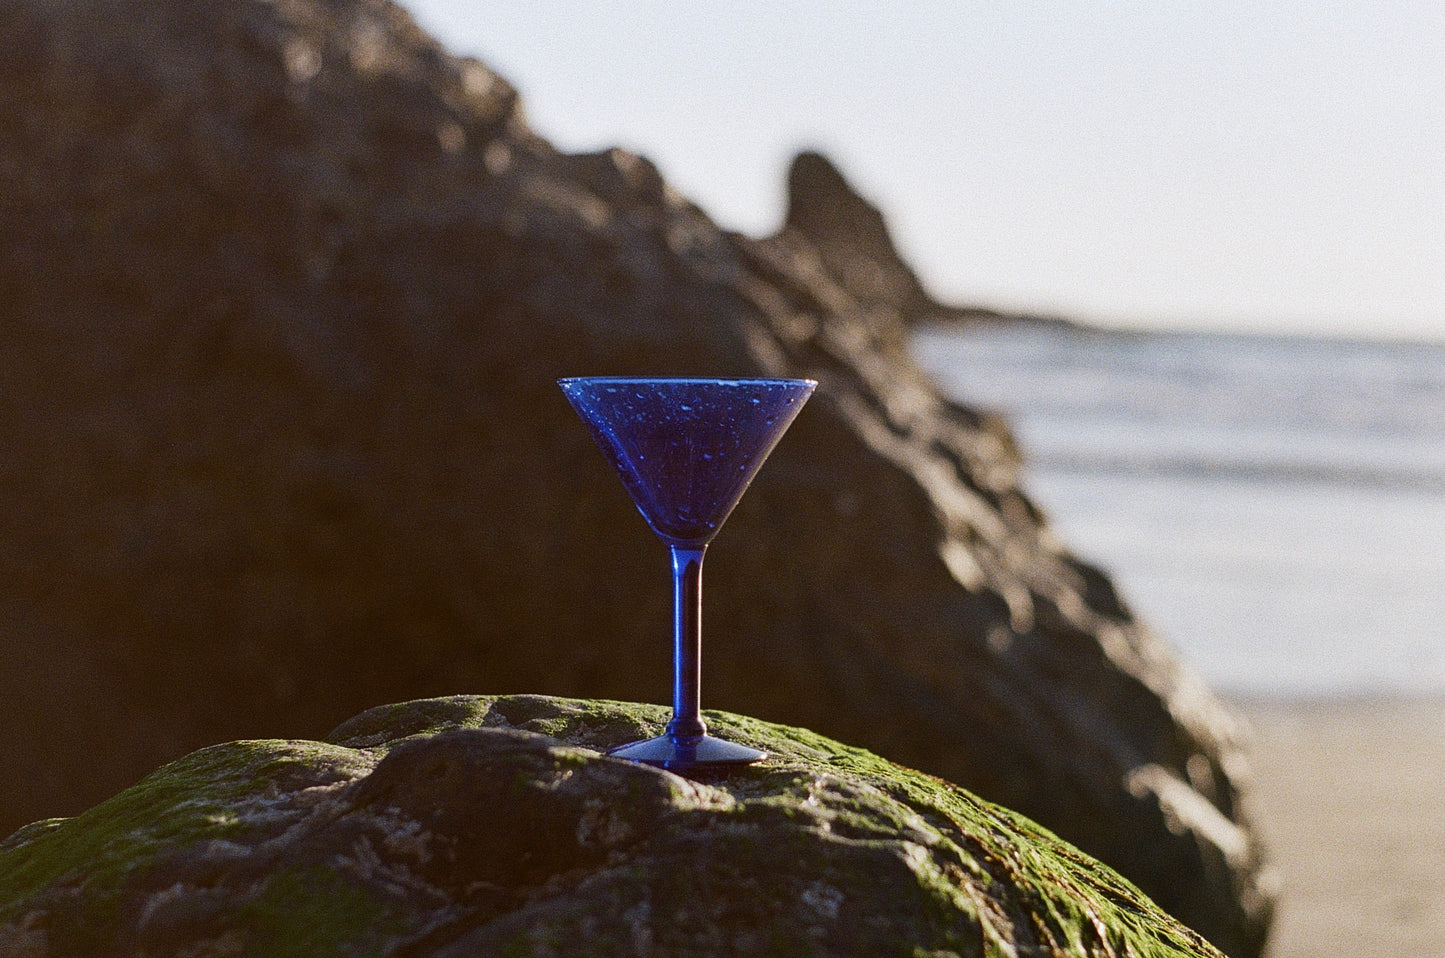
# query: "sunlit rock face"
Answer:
x=284 y=292
x=493 y=826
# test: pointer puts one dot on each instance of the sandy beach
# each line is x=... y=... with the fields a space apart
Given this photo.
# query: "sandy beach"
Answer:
x=1350 y=797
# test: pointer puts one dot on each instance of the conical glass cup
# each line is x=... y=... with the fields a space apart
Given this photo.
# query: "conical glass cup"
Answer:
x=686 y=450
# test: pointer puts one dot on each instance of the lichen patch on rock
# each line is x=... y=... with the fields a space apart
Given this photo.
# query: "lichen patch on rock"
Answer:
x=495 y=825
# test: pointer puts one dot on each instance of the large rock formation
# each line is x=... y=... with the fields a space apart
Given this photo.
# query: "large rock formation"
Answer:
x=478 y=826
x=283 y=293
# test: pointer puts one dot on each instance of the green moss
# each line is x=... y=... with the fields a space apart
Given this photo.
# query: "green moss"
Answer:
x=1076 y=900
x=313 y=913
x=825 y=849
x=201 y=796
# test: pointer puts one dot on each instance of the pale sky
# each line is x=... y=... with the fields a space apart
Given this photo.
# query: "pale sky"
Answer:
x=1274 y=166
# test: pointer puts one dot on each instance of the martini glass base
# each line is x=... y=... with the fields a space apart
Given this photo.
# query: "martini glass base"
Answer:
x=682 y=752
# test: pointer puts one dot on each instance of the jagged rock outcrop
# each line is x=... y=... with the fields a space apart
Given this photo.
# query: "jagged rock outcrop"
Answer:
x=854 y=244
x=852 y=239
x=283 y=294
x=493 y=826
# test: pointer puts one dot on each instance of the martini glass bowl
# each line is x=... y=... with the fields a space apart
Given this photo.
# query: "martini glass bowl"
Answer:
x=686 y=450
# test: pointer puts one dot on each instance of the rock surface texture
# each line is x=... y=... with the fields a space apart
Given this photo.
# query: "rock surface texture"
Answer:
x=851 y=237
x=492 y=826
x=284 y=290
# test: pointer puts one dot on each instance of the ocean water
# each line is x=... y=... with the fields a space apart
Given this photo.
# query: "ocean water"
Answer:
x=1274 y=507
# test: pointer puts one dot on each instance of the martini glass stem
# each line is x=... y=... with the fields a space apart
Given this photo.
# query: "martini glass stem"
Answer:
x=687 y=643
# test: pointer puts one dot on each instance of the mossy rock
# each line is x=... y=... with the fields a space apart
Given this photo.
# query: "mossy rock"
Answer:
x=482 y=825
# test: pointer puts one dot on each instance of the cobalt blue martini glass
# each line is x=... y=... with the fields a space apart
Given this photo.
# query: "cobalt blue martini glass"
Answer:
x=686 y=449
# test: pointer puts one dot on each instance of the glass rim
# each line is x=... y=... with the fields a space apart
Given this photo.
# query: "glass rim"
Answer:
x=713 y=380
